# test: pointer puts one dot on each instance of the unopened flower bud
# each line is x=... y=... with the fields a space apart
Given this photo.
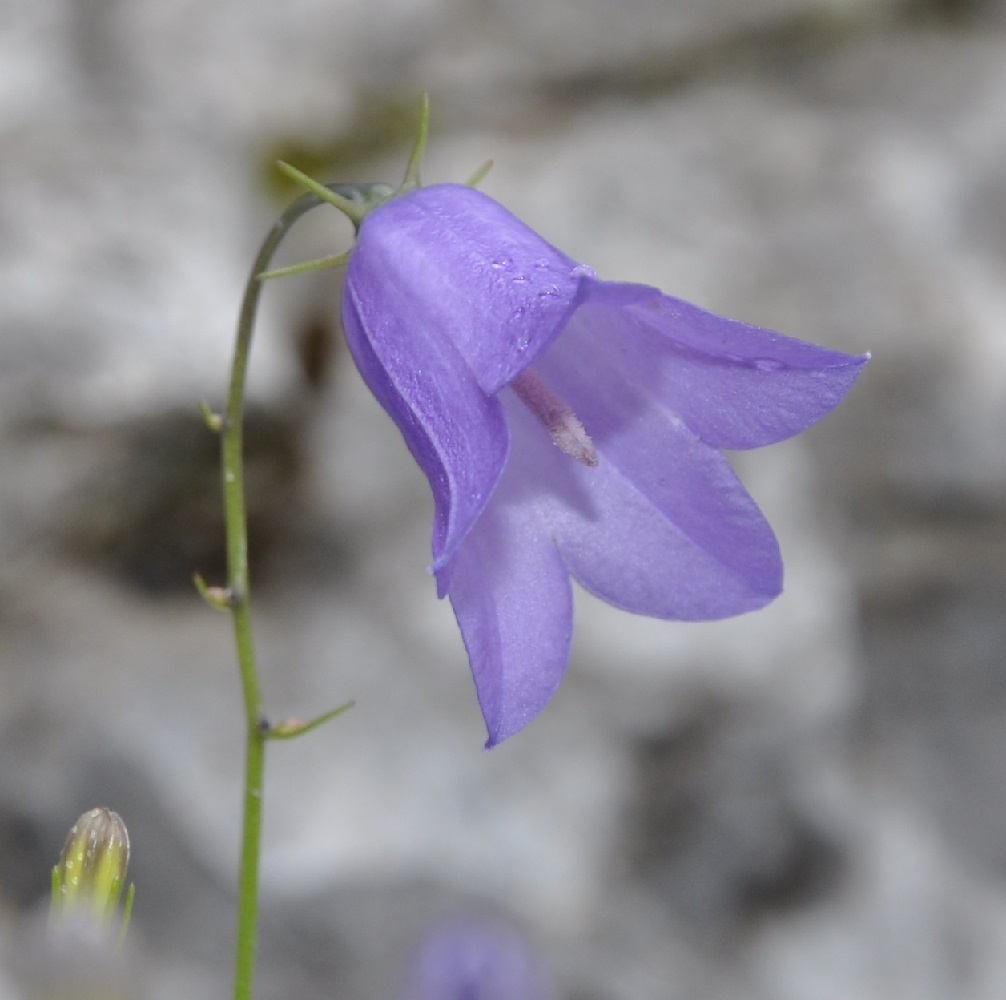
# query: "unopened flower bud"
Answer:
x=92 y=868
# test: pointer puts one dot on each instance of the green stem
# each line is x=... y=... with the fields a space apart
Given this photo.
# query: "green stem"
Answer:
x=240 y=603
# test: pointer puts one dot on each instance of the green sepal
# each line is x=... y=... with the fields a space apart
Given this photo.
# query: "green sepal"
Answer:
x=292 y=728
x=218 y=598
x=335 y=260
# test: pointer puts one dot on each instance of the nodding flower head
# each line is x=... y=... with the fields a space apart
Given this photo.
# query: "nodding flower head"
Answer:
x=569 y=427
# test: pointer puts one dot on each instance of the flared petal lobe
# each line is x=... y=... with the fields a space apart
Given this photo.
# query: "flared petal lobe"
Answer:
x=736 y=386
x=511 y=596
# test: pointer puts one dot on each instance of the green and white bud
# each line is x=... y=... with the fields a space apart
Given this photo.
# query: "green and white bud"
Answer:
x=91 y=871
x=79 y=954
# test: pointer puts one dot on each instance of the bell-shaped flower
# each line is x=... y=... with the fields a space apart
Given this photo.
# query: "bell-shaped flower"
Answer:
x=569 y=427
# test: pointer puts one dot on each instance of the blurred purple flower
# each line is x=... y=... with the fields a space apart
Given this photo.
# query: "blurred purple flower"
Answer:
x=477 y=959
x=568 y=426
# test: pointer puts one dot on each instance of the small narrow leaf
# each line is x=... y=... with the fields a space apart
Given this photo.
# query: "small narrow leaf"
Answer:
x=292 y=728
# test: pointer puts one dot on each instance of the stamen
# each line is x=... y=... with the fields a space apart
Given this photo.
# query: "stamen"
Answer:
x=554 y=414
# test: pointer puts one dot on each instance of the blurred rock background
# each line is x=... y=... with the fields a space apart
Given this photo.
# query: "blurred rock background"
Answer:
x=804 y=804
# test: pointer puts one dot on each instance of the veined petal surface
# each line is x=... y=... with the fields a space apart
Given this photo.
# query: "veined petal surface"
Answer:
x=456 y=433
x=735 y=385
x=471 y=273
x=512 y=598
x=661 y=526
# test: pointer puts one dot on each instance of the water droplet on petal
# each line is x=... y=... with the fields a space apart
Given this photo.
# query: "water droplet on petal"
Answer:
x=542 y=263
x=583 y=271
x=518 y=313
x=502 y=263
x=519 y=279
x=768 y=364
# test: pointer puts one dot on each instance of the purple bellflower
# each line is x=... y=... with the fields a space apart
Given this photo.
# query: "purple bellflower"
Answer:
x=477 y=959
x=568 y=427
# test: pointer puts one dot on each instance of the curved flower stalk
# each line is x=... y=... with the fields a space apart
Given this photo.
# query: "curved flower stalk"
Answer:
x=569 y=427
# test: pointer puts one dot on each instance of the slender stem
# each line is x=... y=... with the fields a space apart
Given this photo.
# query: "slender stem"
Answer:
x=240 y=604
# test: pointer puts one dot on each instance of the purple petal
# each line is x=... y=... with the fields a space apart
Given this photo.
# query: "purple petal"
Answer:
x=456 y=433
x=474 y=273
x=662 y=526
x=511 y=596
x=636 y=547
x=736 y=386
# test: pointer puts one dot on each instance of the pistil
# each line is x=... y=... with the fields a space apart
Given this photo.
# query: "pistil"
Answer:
x=554 y=414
